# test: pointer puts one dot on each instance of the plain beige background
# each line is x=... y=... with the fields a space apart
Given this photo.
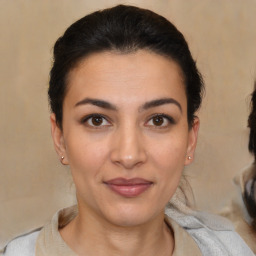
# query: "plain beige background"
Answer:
x=33 y=184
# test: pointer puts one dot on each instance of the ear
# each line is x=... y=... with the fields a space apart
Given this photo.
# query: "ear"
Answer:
x=192 y=141
x=58 y=140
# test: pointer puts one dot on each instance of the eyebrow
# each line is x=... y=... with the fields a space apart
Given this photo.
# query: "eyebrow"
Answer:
x=147 y=105
x=160 y=102
x=96 y=102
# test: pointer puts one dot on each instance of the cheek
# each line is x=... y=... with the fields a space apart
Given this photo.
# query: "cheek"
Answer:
x=170 y=152
x=168 y=158
x=86 y=156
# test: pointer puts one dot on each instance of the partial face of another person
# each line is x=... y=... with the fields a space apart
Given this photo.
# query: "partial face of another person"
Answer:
x=125 y=135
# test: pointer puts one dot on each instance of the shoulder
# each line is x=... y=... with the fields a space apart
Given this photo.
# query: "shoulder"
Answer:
x=23 y=245
x=218 y=234
x=213 y=234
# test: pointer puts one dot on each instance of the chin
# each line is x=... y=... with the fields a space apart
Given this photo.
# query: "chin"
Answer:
x=129 y=216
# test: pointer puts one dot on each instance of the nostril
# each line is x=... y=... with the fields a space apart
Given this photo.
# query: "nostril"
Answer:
x=128 y=148
x=128 y=161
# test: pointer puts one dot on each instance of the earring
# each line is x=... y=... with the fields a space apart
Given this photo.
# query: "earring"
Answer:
x=62 y=157
x=189 y=157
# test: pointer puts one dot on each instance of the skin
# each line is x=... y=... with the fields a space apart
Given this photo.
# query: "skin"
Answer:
x=128 y=141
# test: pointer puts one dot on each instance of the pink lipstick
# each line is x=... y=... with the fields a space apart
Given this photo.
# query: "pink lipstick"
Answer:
x=128 y=187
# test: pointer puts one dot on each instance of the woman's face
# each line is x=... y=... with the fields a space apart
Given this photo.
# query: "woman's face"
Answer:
x=125 y=135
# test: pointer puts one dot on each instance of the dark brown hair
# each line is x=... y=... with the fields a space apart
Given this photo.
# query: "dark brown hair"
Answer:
x=124 y=29
x=250 y=185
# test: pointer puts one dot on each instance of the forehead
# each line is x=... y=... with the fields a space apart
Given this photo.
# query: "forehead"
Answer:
x=140 y=75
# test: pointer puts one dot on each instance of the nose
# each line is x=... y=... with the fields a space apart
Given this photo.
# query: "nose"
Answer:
x=128 y=148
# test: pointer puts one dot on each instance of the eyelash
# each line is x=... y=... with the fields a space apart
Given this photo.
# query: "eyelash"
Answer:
x=86 y=119
x=169 y=119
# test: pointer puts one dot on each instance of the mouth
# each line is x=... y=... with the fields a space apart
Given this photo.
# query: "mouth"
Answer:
x=129 y=187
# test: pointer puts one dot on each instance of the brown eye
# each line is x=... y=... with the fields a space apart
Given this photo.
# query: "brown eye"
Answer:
x=97 y=120
x=158 y=120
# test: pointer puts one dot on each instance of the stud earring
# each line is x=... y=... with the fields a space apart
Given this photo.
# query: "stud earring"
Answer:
x=62 y=157
x=189 y=157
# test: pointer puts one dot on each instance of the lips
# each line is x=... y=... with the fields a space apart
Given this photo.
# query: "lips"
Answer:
x=129 y=187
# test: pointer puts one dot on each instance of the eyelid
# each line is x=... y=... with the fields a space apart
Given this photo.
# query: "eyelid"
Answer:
x=170 y=119
x=87 y=117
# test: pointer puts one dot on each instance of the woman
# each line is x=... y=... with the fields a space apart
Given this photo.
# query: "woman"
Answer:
x=242 y=211
x=123 y=91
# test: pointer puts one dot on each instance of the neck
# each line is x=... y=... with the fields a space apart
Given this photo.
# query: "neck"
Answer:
x=88 y=235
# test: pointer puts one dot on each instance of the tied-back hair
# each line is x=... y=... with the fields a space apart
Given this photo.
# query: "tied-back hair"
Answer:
x=122 y=29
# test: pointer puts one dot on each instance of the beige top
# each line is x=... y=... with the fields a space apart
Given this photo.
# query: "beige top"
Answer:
x=50 y=242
